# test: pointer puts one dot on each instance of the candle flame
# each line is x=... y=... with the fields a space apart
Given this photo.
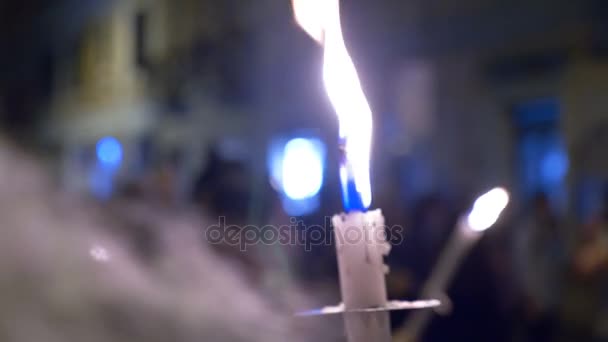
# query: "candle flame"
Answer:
x=310 y=18
x=321 y=20
x=487 y=208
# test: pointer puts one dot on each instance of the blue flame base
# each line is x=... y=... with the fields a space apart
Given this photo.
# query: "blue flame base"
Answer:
x=351 y=197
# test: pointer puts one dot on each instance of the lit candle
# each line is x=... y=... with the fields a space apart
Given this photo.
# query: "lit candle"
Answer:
x=360 y=239
x=486 y=210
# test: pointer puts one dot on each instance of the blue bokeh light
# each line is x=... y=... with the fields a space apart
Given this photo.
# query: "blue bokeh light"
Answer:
x=109 y=151
x=302 y=168
x=555 y=165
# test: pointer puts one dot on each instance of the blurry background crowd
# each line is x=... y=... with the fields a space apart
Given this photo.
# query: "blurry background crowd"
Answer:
x=158 y=111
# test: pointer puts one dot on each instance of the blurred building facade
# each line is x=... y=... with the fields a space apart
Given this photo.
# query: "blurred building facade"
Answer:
x=145 y=72
x=465 y=97
x=490 y=93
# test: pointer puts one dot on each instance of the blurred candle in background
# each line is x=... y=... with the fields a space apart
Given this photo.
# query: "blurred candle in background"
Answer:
x=486 y=211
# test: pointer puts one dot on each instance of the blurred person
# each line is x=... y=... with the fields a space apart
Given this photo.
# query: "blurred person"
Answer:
x=540 y=254
x=432 y=222
x=168 y=178
x=585 y=311
x=68 y=274
x=222 y=191
x=224 y=187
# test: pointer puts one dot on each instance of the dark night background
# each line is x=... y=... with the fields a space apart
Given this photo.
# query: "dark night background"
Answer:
x=133 y=117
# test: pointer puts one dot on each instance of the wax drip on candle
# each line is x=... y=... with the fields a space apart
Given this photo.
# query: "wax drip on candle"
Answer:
x=351 y=197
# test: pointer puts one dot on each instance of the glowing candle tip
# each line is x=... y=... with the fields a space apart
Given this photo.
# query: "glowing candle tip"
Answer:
x=487 y=208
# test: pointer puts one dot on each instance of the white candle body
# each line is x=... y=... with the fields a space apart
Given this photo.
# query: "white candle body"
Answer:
x=360 y=247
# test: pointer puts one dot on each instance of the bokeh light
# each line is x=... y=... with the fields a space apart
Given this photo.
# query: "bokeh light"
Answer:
x=99 y=253
x=487 y=209
x=302 y=168
x=109 y=151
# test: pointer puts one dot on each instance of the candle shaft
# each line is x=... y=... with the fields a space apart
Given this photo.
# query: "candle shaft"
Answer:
x=367 y=326
x=360 y=247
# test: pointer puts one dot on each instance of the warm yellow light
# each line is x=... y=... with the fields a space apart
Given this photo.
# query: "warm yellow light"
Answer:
x=321 y=20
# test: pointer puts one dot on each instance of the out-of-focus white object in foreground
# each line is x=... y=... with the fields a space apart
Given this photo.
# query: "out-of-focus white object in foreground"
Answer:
x=99 y=253
x=487 y=208
x=184 y=290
